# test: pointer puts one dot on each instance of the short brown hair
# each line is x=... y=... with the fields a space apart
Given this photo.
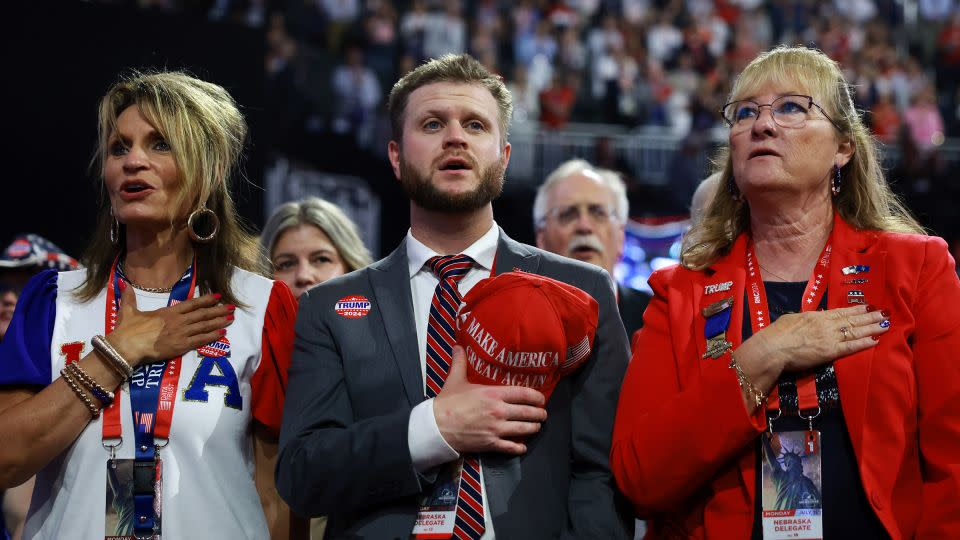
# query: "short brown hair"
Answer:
x=452 y=68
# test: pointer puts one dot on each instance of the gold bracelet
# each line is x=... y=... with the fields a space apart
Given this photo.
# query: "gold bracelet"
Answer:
x=745 y=384
x=68 y=378
x=104 y=396
x=114 y=360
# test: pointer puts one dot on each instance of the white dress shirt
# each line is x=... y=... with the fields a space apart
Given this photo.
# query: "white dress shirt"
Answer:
x=427 y=446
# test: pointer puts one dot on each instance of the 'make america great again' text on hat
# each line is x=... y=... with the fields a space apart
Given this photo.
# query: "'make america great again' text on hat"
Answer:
x=521 y=329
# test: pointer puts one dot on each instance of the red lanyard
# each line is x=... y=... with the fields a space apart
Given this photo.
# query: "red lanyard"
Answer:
x=760 y=318
x=112 y=426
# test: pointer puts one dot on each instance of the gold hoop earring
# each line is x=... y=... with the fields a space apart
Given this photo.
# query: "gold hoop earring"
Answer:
x=114 y=228
x=206 y=213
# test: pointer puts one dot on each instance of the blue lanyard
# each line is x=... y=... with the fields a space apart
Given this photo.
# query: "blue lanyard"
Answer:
x=145 y=385
x=145 y=382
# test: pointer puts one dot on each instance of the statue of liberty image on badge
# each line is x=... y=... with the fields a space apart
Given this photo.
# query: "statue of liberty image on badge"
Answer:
x=119 y=514
x=791 y=487
x=118 y=521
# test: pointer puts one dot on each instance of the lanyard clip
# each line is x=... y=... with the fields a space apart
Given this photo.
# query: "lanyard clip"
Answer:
x=160 y=443
x=112 y=448
x=770 y=420
x=810 y=418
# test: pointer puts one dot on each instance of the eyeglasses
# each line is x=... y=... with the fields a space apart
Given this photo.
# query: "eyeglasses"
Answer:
x=565 y=215
x=790 y=111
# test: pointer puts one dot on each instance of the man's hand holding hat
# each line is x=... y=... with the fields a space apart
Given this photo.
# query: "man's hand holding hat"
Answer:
x=481 y=418
x=521 y=329
x=517 y=335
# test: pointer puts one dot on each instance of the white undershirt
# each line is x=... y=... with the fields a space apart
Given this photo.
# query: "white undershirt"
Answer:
x=427 y=446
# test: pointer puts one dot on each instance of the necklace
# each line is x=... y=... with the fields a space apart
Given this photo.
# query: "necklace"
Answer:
x=774 y=274
x=141 y=287
x=773 y=307
x=148 y=289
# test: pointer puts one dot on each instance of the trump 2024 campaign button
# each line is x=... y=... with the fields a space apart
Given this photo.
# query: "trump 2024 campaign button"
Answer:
x=353 y=307
x=218 y=348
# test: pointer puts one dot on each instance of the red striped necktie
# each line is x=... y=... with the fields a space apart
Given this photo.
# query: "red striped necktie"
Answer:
x=441 y=337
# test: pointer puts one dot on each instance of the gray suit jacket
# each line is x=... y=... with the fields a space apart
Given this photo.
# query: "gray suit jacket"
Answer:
x=354 y=381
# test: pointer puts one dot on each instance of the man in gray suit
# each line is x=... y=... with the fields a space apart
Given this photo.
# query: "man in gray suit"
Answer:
x=359 y=441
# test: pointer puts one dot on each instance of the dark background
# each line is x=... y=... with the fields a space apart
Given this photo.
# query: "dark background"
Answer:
x=63 y=56
x=60 y=59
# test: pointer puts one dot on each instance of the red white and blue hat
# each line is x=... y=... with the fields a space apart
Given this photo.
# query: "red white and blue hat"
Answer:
x=28 y=250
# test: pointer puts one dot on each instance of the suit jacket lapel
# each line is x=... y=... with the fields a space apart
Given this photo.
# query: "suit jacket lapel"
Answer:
x=501 y=473
x=390 y=279
x=512 y=255
x=854 y=248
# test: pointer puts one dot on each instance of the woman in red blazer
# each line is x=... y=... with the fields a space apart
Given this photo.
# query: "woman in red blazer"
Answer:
x=797 y=376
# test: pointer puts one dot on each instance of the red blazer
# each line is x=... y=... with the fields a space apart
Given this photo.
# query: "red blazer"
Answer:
x=683 y=443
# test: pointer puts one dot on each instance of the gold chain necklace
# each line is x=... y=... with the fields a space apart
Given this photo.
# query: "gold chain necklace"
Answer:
x=149 y=289
x=141 y=287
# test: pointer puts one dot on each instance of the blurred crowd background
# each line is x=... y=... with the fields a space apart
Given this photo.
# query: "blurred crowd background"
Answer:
x=632 y=85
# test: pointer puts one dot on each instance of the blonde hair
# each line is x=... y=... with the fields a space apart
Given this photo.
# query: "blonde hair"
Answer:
x=865 y=200
x=324 y=216
x=450 y=68
x=206 y=132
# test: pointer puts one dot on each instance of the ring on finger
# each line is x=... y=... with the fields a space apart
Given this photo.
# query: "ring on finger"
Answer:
x=845 y=332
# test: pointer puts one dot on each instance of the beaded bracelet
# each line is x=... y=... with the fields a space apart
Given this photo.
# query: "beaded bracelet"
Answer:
x=104 y=396
x=68 y=378
x=117 y=362
x=745 y=384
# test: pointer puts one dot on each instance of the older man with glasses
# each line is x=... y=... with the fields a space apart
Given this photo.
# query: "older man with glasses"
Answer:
x=580 y=212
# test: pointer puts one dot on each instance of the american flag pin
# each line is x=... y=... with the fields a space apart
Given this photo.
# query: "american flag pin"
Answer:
x=855 y=269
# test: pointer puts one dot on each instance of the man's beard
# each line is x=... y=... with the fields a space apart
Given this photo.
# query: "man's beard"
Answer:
x=427 y=196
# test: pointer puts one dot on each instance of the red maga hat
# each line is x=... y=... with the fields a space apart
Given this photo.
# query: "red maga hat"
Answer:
x=521 y=329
